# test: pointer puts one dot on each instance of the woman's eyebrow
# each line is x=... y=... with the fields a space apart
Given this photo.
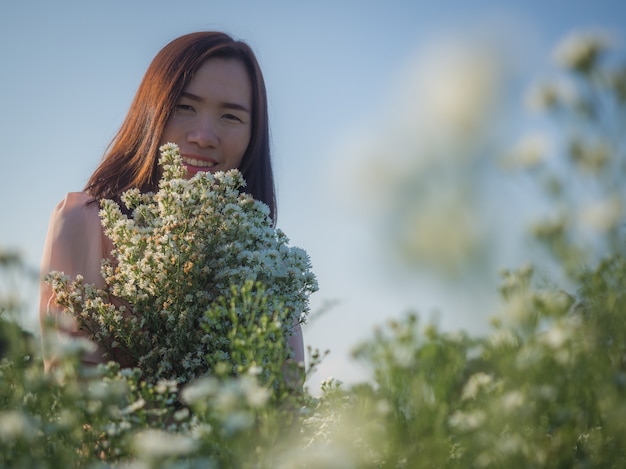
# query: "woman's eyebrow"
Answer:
x=193 y=97
x=225 y=105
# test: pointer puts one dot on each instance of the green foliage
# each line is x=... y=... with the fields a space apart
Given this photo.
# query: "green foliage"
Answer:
x=79 y=416
x=546 y=388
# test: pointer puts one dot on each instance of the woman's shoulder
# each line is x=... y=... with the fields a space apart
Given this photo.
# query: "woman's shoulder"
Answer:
x=75 y=242
x=77 y=210
x=76 y=200
x=76 y=203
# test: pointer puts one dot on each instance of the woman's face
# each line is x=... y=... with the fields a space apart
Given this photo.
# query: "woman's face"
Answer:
x=211 y=122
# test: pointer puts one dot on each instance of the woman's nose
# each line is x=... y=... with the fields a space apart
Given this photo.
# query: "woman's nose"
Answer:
x=203 y=134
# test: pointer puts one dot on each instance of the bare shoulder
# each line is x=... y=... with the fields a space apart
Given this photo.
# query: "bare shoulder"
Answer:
x=75 y=242
x=76 y=211
x=75 y=222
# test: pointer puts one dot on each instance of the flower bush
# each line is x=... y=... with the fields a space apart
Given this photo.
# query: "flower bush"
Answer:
x=197 y=268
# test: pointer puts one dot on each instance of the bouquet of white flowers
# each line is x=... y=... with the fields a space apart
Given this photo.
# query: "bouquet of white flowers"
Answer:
x=199 y=276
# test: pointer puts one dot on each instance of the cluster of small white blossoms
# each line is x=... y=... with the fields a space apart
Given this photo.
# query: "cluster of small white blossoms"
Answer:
x=180 y=264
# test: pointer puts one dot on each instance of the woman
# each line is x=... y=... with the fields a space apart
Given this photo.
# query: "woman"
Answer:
x=203 y=91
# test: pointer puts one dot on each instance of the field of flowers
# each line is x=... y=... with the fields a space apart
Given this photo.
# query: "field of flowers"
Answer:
x=545 y=388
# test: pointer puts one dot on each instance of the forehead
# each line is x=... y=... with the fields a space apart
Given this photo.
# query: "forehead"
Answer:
x=221 y=75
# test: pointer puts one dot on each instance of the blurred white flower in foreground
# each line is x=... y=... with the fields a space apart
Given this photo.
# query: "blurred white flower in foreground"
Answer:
x=157 y=444
x=16 y=425
x=322 y=456
x=580 y=51
x=418 y=172
x=529 y=152
x=450 y=91
x=543 y=95
x=602 y=215
x=475 y=383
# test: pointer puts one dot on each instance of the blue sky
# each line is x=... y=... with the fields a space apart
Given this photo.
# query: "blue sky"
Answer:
x=71 y=68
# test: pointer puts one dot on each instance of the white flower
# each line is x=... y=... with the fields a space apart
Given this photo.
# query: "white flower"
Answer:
x=458 y=86
x=65 y=345
x=442 y=234
x=467 y=420
x=602 y=215
x=512 y=400
x=503 y=338
x=555 y=337
x=181 y=414
x=403 y=354
x=383 y=407
x=561 y=91
x=545 y=392
x=475 y=383
x=99 y=389
x=158 y=444
x=135 y=406
x=256 y=395
x=15 y=425
x=529 y=152
x=518 y=308
x=510 y=444
x=237 y=421
x=317 y=456
x=580 y=51
x=166 y=386
x=199 y=390
x=229 y=396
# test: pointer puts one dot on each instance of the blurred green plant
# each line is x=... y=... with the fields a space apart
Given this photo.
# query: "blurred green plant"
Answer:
x=581 y=165
x=546 y=388
x=77 y=416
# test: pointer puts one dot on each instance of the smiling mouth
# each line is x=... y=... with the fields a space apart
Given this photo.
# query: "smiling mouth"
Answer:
x=198 y=163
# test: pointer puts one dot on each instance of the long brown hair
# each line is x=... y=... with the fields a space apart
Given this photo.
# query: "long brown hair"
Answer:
x=131 y=159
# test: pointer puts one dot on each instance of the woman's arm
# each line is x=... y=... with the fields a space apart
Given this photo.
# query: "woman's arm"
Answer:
x=296 y=342
x=293 y=369
x=74 y=245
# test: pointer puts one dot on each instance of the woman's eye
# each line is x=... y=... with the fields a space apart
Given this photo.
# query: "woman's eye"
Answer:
x=231 y=117
x=184 y=108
